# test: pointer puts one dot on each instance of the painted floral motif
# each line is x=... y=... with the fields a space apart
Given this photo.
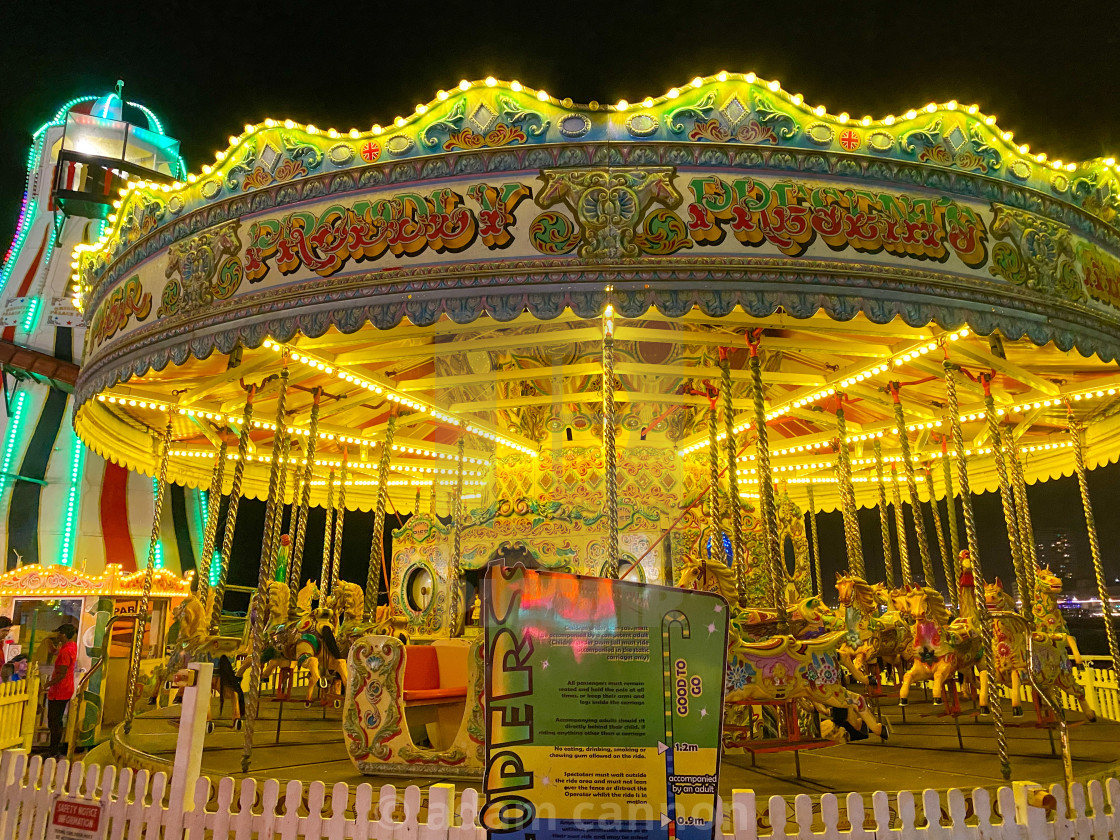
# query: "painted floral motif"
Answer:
x=501 y=135
x=1035 y=252
x=197 y=273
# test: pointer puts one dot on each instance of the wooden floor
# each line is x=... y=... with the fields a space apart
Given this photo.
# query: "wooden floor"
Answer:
x=921 y=753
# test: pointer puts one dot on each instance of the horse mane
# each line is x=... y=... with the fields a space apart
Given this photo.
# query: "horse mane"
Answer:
x=935 y=606
x=863 y=595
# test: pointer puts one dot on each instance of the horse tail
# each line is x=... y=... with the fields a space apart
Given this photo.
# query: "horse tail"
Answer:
x=331 y=643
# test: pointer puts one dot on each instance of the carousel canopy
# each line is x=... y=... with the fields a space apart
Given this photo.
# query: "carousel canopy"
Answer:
x=454 y=269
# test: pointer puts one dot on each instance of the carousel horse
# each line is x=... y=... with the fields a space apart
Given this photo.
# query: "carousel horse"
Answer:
x=306 y=642
x=781 y=667
x=943 y=646
x=871 y=636
x=348 y=602
x=1012 y=654
x=1047 y=614
x=194 y=643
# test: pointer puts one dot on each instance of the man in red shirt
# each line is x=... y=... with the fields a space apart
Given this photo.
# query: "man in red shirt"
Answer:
x=60 y=687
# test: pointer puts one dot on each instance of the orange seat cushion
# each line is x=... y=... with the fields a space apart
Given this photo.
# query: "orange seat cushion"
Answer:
x=434 y=694
x=421 y=669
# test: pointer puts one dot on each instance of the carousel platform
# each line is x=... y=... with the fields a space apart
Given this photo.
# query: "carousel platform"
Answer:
x=923 y=752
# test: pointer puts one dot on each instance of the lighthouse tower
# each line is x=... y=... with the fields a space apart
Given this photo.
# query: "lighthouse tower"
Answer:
x=59 y=502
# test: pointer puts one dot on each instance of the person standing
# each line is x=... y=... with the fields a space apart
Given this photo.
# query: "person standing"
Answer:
x=60 y=687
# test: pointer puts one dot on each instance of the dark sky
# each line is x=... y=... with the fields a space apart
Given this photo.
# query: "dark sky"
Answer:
x=1050 y=72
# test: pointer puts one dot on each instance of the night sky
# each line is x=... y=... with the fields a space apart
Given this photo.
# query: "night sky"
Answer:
x=1049 y=72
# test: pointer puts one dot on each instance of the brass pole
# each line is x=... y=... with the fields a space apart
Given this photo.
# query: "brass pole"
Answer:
x=884 y=525
x=328 y=531
x=900 y=529
x=977 y=571
x=946 y=562
x=1026 y=528
x=773 y=558
x=213 y=507
x=610 y=446
x=715 y=526
x=295 y=563
x=145 y=598
x=734 y=504
x=336 y=552
x=951 y=515
x=258 y=611
x=815 y=541
x=457 y=608
x=377 y=545
x=848 y=496
x=1006 y=494
x=1094 y=541
x=231 y=510
x=912 y=486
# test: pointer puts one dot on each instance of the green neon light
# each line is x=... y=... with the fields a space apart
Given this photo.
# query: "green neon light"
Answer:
x=159 y=543
x=216 y=568
x=14 y=422
x=66 y=556
x=31 y=316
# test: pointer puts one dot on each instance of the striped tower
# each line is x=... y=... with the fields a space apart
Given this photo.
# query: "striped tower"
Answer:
x=59 y=502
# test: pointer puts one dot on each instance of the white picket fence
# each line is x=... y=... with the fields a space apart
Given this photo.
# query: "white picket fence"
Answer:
x=136 y=806
x=1098 y=678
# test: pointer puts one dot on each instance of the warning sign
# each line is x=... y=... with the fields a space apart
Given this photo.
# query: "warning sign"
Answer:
x=76 y=819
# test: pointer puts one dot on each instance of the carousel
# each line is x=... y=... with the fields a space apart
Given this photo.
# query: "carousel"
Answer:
x=648 y=340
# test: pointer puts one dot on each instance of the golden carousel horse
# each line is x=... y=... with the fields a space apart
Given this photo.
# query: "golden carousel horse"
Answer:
x=347 y=600
x=943 y=646
x=1047 y=614
x=871 y=636
x=1013 y=648
x=782 y=667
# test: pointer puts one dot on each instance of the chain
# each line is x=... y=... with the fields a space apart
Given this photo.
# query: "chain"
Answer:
x=773 y=556
x=258 y=611
x=328 y=532
x=458 y=614
x=295 y=563
x=149 y=571
x=231 y=509
x=1026 y=528
x=1006 y=495
x=848 y=498
x=946 y=563
x=377 y=545
x=816 y=546
x=1094 y=542
x=900 y=529
x=912 y=486
x=884 y=525
x=734 y=502
x=213 y=507
x=977 y=572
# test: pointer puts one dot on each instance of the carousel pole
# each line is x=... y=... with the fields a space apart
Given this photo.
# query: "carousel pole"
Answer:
x=231 y=510
x=278 y=513
x=295 y=562
x=715 y=540
x=900 y=530
x=258 y=610
x=1026 y=528
x=912 y=485
x=377 y=545
x=149 y=571
x=884 y=525
x=328 y=530
x=457 y=609
x=610 y=452
x=1006 y=494
x=773 y=556
x=951 y=515
x=815 y=544
x=336 y=551
x=732 y=474
x=1094 y=541
x=977 y=572
x=848 y=495
x=946 y=563
x=213 y=507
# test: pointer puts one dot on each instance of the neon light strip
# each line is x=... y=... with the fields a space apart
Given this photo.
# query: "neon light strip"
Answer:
x=14 y=423
x=66 y=557
x=159 y=543
x=32 y=313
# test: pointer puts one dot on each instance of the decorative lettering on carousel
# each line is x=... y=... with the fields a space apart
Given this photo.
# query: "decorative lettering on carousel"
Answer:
x=405 y=224
x=113 y=315
x=1102 y=274
x=789 y=216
